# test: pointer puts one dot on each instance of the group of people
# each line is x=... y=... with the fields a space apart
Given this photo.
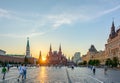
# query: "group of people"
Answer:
x=22 y=71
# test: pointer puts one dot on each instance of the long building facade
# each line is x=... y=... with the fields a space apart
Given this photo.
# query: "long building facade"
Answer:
x=93 y=54
x=8 y=58
x=112 y=48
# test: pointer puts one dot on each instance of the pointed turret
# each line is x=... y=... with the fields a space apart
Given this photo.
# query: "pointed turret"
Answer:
x=28 y=42
x=50 y=51
x=112 y=33
x=50 y=48
x=27 y=48
x=60 y=48
x=60 y=51
x=40 y=56
x=92 y=49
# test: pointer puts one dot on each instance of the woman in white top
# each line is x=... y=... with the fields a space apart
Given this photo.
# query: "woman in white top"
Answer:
x=20 y=69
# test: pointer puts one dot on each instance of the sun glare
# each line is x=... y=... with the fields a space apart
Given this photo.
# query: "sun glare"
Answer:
x=43 y=58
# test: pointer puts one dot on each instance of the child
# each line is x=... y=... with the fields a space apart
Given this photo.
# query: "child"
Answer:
x=4 y=72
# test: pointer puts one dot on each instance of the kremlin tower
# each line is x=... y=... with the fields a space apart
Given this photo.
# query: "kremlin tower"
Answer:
x=28 y=48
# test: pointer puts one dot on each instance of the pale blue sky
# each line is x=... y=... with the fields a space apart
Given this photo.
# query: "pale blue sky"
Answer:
x=76 y=24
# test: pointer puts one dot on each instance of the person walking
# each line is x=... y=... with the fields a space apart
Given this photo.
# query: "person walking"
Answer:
x=4 y=72
x=8 y=67
x=94 y=70
x=105 y=70
x=24 y=71
x=20 y=69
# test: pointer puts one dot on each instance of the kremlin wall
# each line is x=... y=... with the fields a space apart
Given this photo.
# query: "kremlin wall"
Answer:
x=8 y=58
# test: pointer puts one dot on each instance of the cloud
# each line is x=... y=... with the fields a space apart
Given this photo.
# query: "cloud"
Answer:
x=4 y=13
x=11 y=35
x=22 y=35
x=59 y=20
x=35 y=34
x=53 y=20
x=12 y=15
x=38 y=22
x=102 y=13
x=44 y=23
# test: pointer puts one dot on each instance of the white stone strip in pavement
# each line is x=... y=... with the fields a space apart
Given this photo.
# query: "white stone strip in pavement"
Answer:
x=95 y=79
x=8 y=78
x=68 y=77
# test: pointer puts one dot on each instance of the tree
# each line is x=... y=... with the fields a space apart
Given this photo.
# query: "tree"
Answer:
x=115 y=62
x=96 y=62
x=90 y=62
x=108 y=62
x=84 y=62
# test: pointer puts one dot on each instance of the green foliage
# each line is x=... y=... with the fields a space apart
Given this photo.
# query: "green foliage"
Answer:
x=94 y=62
x=115 y=62
x=108 y=62
x=112 y=63
x=97 y=62
x=90 y=62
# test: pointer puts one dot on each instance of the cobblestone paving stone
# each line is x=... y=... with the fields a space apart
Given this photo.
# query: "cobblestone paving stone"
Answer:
x=62 y=75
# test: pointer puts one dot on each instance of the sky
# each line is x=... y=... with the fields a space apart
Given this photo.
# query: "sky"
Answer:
x=75 y=24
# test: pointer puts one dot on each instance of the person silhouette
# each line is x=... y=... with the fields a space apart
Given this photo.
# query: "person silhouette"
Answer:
x=94 y=70
x=105 y=70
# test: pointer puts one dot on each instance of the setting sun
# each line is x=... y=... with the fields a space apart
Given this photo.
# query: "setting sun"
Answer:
x=43 y=58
